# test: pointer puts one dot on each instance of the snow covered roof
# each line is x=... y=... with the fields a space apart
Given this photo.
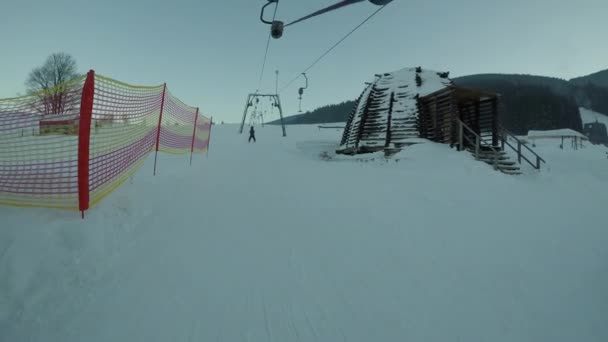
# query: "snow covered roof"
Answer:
x=431 y=81
x=556 y=133
x=386 y=112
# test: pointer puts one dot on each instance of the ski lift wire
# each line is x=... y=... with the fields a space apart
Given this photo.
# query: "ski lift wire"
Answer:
x=332 y=48
x=325 y=10
x=267 y=47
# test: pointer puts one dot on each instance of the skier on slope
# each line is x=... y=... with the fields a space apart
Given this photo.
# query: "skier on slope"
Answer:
x=251 y=134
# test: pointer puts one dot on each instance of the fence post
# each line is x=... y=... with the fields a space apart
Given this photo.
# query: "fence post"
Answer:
x=160 y=118
x=209 y=138
x=193 y=136
x=84 y=139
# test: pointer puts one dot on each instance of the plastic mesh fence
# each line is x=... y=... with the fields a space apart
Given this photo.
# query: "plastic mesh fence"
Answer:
x=123 y=132
x=39 y=148
x=177 y=126
x=203 y=135
x=56 y=152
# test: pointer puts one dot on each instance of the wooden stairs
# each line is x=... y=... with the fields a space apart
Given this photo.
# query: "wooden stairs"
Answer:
x=500 y=160
x=495 y=155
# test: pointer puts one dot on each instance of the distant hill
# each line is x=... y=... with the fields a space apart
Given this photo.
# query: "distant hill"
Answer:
x=557 y=85
x=530 y=102
x=599 y=78
x=593 y=97
x=330 y=113
x=514 y=87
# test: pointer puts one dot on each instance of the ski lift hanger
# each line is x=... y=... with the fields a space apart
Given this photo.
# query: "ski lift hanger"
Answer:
x=301 y=90
x=277 y=27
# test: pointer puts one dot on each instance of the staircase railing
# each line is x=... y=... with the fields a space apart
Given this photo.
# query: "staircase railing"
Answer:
x=504 y=140
x=476 y=142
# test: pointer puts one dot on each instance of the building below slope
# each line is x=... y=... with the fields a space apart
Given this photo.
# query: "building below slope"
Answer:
x=58 y=126
x=399 y=108
x=411 y=105
x=596 y=132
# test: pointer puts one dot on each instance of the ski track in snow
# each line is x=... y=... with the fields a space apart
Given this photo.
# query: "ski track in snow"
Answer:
x=268 y=242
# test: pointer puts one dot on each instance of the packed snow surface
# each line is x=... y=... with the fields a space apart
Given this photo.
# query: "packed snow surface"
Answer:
x=555 y=133
x=282 y=240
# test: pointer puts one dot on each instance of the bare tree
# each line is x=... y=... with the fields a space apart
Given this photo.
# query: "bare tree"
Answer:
x=50 y=84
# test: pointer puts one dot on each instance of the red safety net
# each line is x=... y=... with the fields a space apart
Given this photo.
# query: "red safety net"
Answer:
x=71 y=146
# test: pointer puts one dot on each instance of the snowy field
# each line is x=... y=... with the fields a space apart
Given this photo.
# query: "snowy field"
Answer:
x=272 y=242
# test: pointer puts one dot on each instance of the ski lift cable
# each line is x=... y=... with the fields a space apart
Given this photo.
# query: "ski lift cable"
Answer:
x=267 y=48
x=332 y=48
x=325 y=10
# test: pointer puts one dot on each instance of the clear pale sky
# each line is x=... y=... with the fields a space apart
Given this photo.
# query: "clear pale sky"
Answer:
x=210 y=52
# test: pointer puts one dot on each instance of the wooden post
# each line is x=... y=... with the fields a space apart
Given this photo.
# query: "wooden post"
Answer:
x=477 y=125
x=209 y=138
x=460 y=136
x=436 y=119
x=495 y=123
x=387 y=140
x=519 y=151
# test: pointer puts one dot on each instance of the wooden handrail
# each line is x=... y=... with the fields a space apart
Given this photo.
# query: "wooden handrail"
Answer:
x=476 y=143
x=524 y=145
x=520 y=155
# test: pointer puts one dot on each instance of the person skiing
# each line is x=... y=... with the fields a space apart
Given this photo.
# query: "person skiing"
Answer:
x=251 y=134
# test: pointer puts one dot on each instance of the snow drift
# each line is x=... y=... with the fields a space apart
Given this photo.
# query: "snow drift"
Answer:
x=268 y=242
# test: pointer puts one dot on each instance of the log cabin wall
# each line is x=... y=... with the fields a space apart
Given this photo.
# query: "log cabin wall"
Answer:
x=438 y=111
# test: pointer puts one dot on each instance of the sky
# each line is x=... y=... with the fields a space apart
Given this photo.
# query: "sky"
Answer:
x=210 y=53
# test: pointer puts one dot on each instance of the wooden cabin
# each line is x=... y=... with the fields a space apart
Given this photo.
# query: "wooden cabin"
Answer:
x=439 y=114
x=398 y=109
x=59 y=126
x=412 y=105
x=596 y=132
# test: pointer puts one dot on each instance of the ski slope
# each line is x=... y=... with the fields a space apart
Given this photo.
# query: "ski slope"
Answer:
x=589 y=116
x=270 y=242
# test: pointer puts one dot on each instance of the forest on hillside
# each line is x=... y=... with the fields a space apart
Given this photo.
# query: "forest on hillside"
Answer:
x=530 y=106
x=330 y=113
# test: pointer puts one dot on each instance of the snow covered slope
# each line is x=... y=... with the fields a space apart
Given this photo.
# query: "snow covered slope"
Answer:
x=276 y=244
x=589 y=116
